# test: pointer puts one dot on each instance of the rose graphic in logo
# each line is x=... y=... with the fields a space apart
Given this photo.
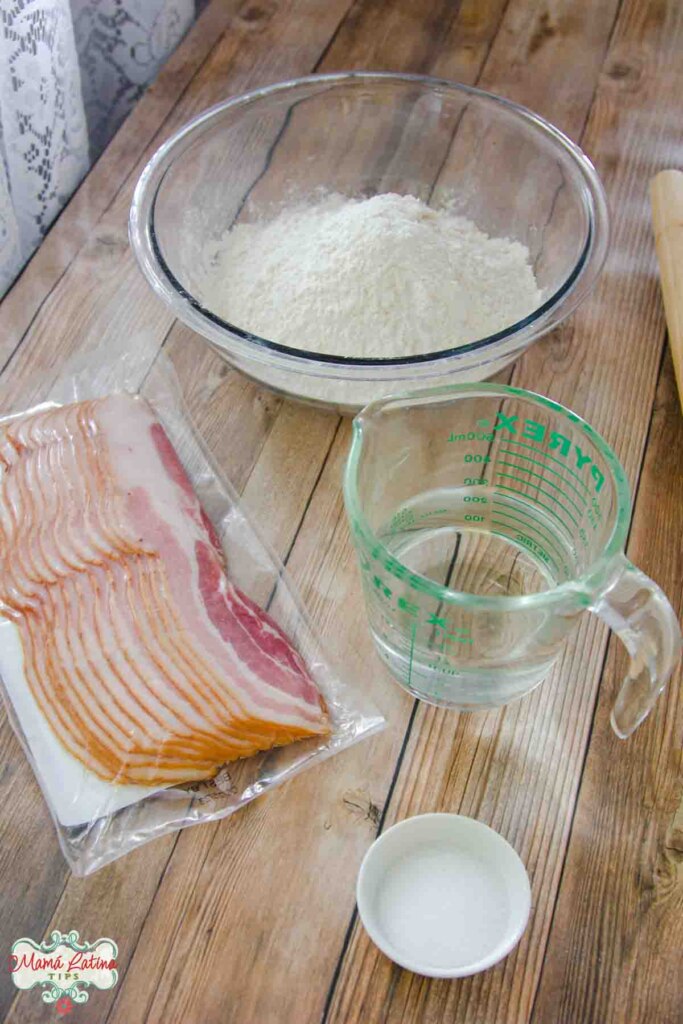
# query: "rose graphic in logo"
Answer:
x=64 y=968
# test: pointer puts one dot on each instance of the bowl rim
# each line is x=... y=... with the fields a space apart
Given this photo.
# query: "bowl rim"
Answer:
x=190 y=310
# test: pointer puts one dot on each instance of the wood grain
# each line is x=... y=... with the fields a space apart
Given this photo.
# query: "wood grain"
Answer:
x=322 y=551
x=310 y=535
x=490 y=768
x=245 y=920
x=88 y=321
x=74 y=316
x=616 y=948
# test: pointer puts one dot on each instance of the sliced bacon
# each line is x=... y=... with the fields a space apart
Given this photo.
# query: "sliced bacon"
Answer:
x=241 y=744
x=149 y=664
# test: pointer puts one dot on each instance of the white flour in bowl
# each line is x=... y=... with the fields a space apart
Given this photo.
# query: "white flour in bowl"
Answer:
x=370 y=278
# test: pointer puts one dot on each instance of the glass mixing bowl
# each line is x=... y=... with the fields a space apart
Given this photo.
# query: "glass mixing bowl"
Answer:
x=359 y=134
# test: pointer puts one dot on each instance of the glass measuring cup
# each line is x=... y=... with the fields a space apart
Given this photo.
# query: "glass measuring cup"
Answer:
x=486 y=519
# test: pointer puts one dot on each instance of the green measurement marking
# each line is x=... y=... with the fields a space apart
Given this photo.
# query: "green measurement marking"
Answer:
x=548 y=494
x=530 y=472
x=548 y=469
x=537 y=501
x=529 y=524
x=552 y=458
x=525 y=522
x=531 y=541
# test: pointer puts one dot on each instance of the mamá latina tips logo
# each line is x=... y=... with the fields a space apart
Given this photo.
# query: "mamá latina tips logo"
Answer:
x=64 y=968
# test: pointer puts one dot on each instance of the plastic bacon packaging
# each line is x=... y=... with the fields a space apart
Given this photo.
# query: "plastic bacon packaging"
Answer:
x=149 y=690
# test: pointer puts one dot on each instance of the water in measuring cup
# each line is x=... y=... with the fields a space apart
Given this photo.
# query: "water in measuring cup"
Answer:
x=453 y=537
x=449 y=541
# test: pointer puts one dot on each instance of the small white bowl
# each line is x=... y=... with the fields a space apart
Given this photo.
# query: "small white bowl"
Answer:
x=443 y=895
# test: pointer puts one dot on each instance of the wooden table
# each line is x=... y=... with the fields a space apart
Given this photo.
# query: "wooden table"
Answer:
x=251 y=920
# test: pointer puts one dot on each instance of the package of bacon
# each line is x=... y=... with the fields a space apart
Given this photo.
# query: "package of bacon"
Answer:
x=150 y=691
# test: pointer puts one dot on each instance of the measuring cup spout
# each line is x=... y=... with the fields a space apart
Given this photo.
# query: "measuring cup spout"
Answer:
x=640 y=614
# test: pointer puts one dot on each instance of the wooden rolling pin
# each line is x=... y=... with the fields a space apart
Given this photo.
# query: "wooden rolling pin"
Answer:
x=666 y=195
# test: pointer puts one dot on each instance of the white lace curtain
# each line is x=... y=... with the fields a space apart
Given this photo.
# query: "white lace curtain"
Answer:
x=70 y=70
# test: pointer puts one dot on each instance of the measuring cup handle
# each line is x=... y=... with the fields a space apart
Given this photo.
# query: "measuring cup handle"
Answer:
x=640 y=614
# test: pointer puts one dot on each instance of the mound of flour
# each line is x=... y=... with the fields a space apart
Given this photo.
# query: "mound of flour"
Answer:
x=381 y=277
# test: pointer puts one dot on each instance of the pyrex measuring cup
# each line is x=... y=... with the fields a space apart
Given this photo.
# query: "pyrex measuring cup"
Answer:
x=486 y=519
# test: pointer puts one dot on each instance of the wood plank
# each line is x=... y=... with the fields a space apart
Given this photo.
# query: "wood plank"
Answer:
x=300 y=981
x=205 y=903
x=74 y=316
x=310 y=541
x=604 y=364
x=616 y=945
x=26 y=383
